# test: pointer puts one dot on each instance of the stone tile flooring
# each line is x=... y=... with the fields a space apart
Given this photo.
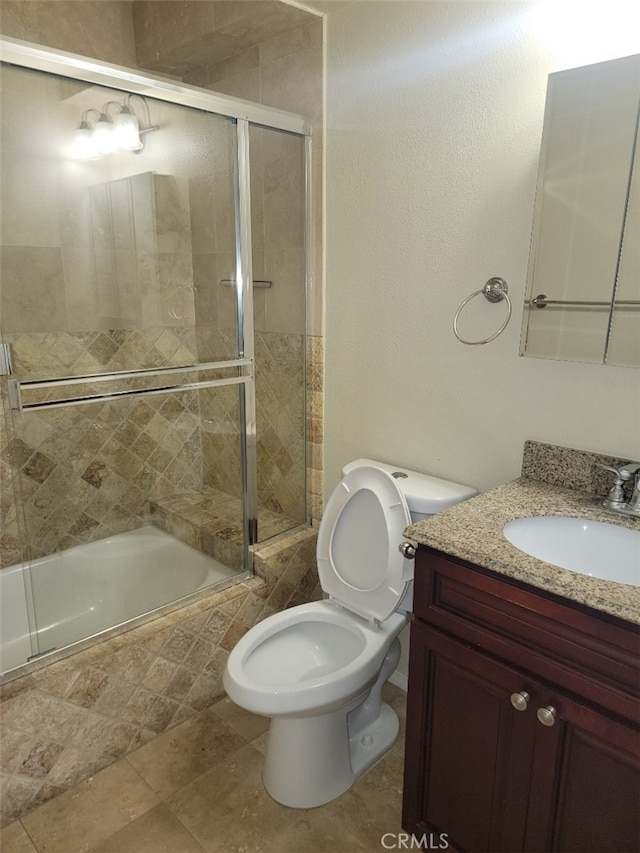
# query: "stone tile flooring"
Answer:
x=198 y=788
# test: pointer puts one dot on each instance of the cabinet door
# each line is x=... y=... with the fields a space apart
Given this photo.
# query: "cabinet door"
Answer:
x=585 y=789
x=469 y=751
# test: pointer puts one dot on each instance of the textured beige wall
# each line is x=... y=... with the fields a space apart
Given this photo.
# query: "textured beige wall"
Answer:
x=434 y=118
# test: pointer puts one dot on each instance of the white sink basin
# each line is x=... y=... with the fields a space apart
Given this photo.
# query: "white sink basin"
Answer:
x=593 y=548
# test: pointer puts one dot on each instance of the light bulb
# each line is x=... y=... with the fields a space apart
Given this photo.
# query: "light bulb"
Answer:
x=83 y=144
x=126 y=134
x=103 y=134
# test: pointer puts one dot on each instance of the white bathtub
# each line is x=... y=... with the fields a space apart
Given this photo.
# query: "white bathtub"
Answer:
x=93 y=587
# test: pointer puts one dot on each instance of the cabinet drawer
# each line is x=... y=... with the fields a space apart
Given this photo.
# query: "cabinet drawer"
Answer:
x=591 y=654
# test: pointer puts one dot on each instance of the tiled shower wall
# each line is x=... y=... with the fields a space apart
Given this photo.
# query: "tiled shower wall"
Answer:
x=283 y=71
x=87 y=472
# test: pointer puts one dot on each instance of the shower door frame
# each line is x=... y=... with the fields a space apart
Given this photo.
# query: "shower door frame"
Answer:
x=15 y=52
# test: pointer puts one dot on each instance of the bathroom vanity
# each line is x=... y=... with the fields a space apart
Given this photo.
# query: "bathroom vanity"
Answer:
x=523 y=708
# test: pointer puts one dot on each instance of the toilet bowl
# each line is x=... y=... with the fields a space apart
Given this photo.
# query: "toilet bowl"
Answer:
x=308 y=660
x=318 y=669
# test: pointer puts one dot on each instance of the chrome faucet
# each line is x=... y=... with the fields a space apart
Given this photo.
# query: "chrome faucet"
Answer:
x=616 y=500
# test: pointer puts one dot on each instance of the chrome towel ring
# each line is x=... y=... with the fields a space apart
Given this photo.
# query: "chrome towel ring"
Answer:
x=495 y=290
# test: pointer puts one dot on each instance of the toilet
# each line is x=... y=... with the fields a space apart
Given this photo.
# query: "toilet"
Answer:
x=318 y=669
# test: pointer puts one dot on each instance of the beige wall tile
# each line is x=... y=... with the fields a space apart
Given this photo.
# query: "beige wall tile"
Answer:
x=172 y=214
x=29 y=202
x=240 y=63
x=202 y=206
x=143 y=210
x=101 y=29
x=73 y=217
x=244 y=85
x=120 y=209
x=255 y=20
x=80 y=288
x=315 y=293
x=207 y=286
x=19 y=19
x=285 y=300
x=176 y=289
x=294 y=83
x=33 y=295
x=24 y=110
x=223 y=205
x=197 y=77
x=303 y=38
x=148 y=276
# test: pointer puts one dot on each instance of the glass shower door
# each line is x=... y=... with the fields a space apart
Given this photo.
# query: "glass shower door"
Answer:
x=279 y=255
x=120 y=308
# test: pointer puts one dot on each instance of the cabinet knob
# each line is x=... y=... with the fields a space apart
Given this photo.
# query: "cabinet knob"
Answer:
x=547 y=716
x=520 y=701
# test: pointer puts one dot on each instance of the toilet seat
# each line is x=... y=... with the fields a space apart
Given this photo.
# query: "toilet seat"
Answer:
x=359 y=564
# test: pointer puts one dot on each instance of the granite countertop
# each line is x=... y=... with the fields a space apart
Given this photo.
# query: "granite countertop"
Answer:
x=472 y=531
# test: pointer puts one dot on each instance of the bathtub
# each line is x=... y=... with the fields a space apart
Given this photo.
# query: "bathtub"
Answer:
x=94 y=587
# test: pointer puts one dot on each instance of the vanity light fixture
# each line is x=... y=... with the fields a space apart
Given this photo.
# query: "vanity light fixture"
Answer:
x=97 y=137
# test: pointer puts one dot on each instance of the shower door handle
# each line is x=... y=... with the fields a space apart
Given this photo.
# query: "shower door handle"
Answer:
x=16 y=387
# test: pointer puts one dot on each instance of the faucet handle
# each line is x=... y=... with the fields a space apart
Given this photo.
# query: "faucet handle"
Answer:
x=623 y=474
x=628 y=471
x=615 y=498
x=634 y=500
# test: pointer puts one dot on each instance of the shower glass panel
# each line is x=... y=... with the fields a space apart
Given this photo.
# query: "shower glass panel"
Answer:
x=119 y=303
x=278 y=198
x=117 y=520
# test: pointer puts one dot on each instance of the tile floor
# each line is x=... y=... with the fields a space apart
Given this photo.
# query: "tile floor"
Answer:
x=198 y=788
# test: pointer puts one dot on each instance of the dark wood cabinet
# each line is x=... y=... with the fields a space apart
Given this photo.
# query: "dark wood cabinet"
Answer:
x=522 y=718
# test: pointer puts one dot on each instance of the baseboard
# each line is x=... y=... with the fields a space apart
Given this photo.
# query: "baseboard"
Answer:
x=400 y=679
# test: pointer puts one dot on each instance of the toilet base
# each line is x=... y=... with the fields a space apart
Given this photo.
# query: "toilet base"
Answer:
x=367 y=746
x=312 y=760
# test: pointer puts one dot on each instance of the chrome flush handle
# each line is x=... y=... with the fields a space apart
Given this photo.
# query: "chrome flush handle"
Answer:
x=407 y=550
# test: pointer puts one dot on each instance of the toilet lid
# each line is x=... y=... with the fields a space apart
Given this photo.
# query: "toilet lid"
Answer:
x=359 y=563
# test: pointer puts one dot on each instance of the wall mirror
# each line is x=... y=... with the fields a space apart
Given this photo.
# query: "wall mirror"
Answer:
x=583 y=287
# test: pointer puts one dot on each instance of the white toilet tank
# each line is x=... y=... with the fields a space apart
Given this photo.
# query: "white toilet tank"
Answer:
x=425 y=495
